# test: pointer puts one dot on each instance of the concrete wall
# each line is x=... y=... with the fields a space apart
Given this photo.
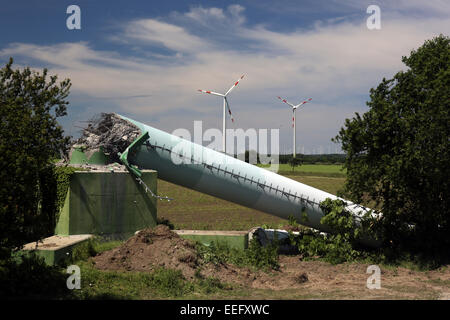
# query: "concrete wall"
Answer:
x=110 y=204
x=234 y=239
x=55 y=249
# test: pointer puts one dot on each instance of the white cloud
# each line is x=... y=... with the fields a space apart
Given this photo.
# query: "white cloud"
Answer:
x=236 y=12
x=336 y=64
x=168 y=35
x=233 y=15
x=201 y=14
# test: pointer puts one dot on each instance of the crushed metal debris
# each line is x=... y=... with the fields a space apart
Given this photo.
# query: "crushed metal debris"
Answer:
x=111 y=135
x=109 y=132
x=112 y=167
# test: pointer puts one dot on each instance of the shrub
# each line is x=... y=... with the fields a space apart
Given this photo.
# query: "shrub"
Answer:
x=398 y=153
x=255 y=256
x=30 y=278
x=30 y=138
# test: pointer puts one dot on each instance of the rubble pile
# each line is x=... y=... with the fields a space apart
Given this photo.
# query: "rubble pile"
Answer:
x=108 y=132
x=111 y=167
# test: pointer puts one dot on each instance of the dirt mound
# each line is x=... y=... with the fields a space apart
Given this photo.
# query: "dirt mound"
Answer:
x=149 y=250
x=160 y=247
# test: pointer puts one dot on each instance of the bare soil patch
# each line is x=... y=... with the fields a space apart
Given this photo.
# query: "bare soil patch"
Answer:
x=151 y=249
x=160 y=247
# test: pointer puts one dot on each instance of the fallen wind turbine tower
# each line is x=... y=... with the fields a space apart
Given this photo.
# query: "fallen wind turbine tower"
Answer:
x=225 y=106
x=293 y=118
x=215 y=173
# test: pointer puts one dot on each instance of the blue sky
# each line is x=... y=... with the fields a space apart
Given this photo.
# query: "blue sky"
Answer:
x=146 y=59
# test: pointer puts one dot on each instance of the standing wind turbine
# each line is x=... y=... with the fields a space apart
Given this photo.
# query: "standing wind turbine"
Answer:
x=293 y=114
x=225 y=106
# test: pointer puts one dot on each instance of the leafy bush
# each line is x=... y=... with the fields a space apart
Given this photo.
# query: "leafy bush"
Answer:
x=255 y=256
x=31 y=278
x=398 y=153
x=342 y=245
x=84 y=251
x=91 y=248
x=295 y=162
x=30 y=138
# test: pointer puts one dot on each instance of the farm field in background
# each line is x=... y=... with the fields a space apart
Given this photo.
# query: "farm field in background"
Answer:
x=195 y=210
x=330 y=170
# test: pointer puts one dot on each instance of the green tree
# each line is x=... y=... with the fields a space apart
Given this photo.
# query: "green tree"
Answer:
x=295 y=161
x=30 y=138
x=398 y=153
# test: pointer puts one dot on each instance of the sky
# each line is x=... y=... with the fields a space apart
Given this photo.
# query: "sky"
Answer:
x=147 y=59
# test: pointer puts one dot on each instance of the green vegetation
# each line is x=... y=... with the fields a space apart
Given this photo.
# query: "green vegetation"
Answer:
x=59 y=179
x=168 y=282
x=314 y=158
x=343 y=245
x=160 y=284
x=30 y=138
x=398 y=154
x=346 y=243
x=62 y=177
x=305 y=158
x=31 y=278
x=322 y=170
x=294 y=162
x=256 y=256
x=91 y=248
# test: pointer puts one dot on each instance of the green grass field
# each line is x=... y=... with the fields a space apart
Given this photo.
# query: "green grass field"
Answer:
x=325 y=170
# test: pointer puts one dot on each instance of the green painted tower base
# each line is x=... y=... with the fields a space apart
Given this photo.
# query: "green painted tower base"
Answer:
x=234 y=239
x=109 y=204
x=55 y=249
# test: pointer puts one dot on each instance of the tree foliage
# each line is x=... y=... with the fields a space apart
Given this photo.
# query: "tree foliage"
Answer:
x=295 y=161
x=398 y=153
x=30 y=137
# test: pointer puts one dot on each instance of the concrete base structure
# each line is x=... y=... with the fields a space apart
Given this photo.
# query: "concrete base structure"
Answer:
x=55 y=249
x=109 y=204
x=234 y=239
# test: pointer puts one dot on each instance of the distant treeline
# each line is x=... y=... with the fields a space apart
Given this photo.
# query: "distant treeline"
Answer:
x=333 y=158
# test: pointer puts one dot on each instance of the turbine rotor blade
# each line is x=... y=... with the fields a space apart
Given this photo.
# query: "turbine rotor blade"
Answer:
x=293 y=118
x=287 y=102
x=211 y=92
x=229 y=110
x=234 y=85
x=306 y=101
